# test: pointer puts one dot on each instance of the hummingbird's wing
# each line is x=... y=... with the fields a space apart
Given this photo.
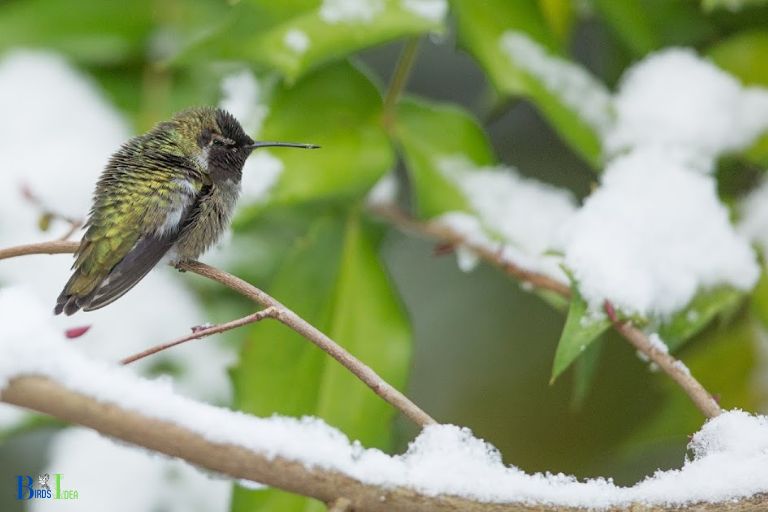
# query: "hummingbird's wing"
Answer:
x=134 y=222
x=142 y=258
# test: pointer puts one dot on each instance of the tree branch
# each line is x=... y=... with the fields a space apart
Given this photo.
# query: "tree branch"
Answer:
x=282 y=313
x=48 y=213
x=671 y=366
x=202 y=333
x=46 y=396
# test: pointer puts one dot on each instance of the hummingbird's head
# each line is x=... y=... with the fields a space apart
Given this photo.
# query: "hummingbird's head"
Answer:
x=222 y=146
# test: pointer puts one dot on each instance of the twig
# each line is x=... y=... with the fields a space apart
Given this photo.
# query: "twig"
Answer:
x=111 y=419
x=74 y=224
x=308 y=331
x=666 y=362
x=447 y=235
x=700 y=397
x=73 y=227
x=398 y=81
x=202 y=333
x=283 y=314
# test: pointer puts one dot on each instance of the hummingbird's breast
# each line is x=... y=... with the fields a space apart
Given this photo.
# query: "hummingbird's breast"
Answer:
x=208 y=221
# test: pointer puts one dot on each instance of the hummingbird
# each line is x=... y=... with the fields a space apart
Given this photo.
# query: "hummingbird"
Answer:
x=168 y=193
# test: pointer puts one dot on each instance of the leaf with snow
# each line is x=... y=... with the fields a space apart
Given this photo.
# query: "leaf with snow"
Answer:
x=705 y=307
x=298 y=38
x=653 y=236
x=513 y=42
x=504 y=201
x=582 y=328
x=427 y=133
x=678 y=100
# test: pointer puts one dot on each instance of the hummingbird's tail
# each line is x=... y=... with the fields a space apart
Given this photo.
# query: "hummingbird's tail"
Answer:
x=89 y=292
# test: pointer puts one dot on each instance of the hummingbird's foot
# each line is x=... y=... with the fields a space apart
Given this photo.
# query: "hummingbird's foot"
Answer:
x=179 y=265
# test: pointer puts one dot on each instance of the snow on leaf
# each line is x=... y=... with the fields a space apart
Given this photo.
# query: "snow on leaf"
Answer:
x=653 y=235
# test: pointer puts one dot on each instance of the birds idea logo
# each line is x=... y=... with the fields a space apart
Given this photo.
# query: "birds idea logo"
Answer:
x=45 y=488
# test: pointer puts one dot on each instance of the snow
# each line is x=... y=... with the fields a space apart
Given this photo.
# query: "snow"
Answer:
x=261 y=172
x=753 y=222
x=653 y=235
x=432 y=10
x=676 y=98
x=518 y=216
x=571 y=83
x=95 y=466
x=658 y=343
x=729 y=454
x=297 y=40
x=243 y=97
x=384 y=192
x=350 y=11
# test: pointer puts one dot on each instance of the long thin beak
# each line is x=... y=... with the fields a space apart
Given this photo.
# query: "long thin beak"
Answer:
x=266 y=144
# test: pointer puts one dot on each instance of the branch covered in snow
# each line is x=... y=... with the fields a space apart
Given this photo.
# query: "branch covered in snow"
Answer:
x=671 y=366
x=281 y=313
x=328 y=485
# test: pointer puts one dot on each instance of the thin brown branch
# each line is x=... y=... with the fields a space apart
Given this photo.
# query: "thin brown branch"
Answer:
x=202 y=333
x=45 y=211
x=73 y=228
x=362 y=371
x=666 y=362
x=445 y=234
x=48 y=397
x=671 y=366
x=310 y=332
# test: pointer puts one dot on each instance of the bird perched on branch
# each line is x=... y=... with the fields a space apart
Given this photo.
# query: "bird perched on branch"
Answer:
x=167 y=193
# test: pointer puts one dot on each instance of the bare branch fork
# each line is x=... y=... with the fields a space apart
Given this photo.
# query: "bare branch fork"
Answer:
x=668 y=364
x=274 y=309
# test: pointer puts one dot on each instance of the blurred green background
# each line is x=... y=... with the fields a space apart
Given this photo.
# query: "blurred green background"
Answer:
x=472 y=349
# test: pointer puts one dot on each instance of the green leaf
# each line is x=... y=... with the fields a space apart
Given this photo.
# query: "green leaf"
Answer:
x=759 y=299
x=295 y=37
x=580 y=331
x=743 y=55
x=428 y=132
x=560 y=16
x=334 y=279
x=91 y=31
x=338 y=108
x=584 y=373
x=522 y=56
x=647 y=25
x=698 y=314
x=481 y=26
